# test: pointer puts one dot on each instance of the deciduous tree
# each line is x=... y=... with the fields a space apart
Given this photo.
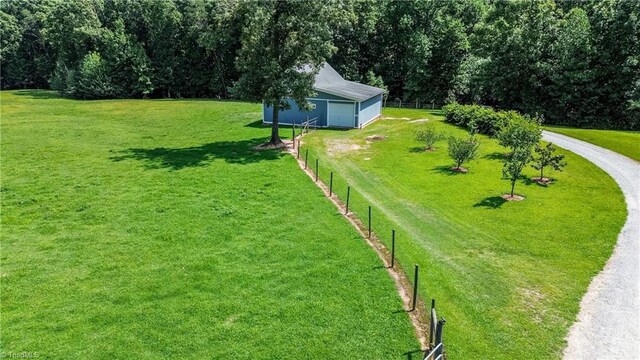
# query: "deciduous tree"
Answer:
x=284 y=44
x=546 y=157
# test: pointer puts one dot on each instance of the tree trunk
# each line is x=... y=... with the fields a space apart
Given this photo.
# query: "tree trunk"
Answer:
x=541 y=173
x=513 y=185
x=275 y=135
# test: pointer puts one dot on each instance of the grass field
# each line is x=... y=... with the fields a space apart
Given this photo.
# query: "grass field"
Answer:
x=151 y=229
x=507 y=276
x=626 y=143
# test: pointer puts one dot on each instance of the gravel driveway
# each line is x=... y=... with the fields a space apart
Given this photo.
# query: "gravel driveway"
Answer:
x=608 y=324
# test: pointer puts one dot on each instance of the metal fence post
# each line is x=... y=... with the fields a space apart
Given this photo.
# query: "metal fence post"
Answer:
x=331 y=184
x=348 y=195
x=369 y=220
x=432 y=323
x=293 y=136
x=316 y=170
x=439 y=336
x=298 y=156
x=415 y=288
x=393 y=247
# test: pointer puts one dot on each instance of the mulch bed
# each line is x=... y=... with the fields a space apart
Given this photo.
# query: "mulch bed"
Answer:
x=508 y=197
x=542 y=181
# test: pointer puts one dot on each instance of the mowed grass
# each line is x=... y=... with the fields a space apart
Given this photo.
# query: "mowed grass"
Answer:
x=151 y=229
x=626 y=143
x=507 y=276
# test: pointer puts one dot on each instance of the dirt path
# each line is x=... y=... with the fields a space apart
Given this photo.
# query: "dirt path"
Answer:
x=608 y=324
x=420 y=316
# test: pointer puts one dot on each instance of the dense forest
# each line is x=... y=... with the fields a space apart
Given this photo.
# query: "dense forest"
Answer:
x=571 y=62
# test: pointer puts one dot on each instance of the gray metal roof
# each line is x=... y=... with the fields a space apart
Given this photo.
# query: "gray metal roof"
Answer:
x=329 y=81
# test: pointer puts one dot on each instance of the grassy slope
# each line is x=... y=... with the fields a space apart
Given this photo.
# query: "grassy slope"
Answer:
x=508 y=277
x=151 y=229
x=626 y=143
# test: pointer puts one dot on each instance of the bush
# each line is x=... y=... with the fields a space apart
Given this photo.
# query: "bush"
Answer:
x=429 y=136
x=461 y=150
x=485 y=120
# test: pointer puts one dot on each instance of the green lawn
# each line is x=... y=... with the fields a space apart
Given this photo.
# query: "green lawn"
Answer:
x=626 y=143
x=507 y=276
x=151 y=229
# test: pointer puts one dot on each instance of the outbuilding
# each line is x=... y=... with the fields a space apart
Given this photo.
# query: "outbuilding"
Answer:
x=337 y=103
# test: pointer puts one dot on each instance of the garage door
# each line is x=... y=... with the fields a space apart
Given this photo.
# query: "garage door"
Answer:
x=341 y=114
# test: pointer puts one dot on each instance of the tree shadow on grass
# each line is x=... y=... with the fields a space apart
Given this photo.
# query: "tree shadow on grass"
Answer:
x=417 y=149
x=492 y=202
x=447 y=170
x=258 y=124
x=234 y=152
x=39 y=94
x=496 y=156
x=415 y=354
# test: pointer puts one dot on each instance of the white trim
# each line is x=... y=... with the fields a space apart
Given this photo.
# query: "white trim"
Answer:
x=379 y=116
x=318 y=99
x=359 y=109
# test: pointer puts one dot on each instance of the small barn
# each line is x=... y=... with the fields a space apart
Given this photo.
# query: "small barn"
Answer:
x=337 y=103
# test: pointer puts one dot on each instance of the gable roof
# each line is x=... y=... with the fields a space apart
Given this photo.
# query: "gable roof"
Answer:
x=329 y=81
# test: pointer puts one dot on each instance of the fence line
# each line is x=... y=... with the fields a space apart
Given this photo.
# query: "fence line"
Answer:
x=411 y=104
x=433 y=345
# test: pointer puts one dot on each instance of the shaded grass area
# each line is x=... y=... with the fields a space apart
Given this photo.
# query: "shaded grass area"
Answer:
x=626 y=143
x=507 y=276
x=152 y=229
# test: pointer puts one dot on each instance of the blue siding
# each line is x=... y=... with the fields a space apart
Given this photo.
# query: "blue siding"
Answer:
x=295 y=115
x=370 y=109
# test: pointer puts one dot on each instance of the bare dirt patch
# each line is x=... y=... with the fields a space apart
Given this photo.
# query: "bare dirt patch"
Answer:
x=460 y=169
x=418 y=121
x=375 y=138
x=532 y=300
x=336 y=147
x=508 y=197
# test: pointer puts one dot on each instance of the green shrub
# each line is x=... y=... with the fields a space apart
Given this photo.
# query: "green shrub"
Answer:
x=429 y=136
x=462 y=150
x=485 y=120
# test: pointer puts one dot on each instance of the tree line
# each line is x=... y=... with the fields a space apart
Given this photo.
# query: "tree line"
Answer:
x=570 y=62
